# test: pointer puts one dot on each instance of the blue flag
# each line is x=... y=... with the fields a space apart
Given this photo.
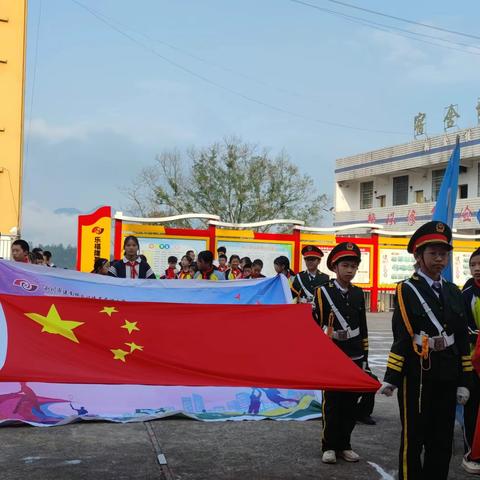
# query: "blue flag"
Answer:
x=447 y=198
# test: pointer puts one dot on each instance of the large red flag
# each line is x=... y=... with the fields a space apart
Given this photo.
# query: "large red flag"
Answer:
x=75 y=340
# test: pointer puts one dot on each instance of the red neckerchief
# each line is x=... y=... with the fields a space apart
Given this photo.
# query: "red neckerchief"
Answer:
x=133 y=270
x=184 y=274
x=222 y=269
x=237 y=273
x=206 y=275
x=170 y=273
x=477 y=283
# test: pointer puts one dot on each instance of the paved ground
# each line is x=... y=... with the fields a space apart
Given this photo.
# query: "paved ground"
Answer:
x=265 y=450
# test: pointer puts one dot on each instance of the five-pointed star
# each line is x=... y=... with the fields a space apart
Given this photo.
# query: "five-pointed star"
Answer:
x=134 y=346
x=130 y=326
x=119 y=354
x=52 y=323
x=109 y=310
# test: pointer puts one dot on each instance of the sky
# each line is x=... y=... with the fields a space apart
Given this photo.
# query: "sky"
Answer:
x=104 y=97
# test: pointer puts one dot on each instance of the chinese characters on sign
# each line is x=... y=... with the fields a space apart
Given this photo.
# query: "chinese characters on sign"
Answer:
x=466 y=214
x=419 y=124
x=411 y=217
x=450 y=118
x=391 y=219
x=96 y=247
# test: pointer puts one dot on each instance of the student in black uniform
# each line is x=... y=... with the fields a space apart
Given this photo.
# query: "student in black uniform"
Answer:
x=132 y=264
x=340 y=309
x=429 y=361
x=471 y=296
x=304 y=284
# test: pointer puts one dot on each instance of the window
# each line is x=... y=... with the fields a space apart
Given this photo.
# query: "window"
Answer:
x=437 y=177
x=400 y=190
x=463 y=191
x=419 y=197
x=366 y=195
x=382 y=200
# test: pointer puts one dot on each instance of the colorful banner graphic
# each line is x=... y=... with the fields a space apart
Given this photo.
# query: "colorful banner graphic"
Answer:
x=35 y=280
x=45 y=404
x=265 y=251
x=157 y=250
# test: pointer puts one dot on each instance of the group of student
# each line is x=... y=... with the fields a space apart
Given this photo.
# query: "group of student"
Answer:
x=20 y=251
x=435 y=329
x=202 y=266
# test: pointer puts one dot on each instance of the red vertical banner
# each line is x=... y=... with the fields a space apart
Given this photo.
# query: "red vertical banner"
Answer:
x=93 y=238
x=297 y=254
x=117 y=247
x=212 y=239
x=374 y=291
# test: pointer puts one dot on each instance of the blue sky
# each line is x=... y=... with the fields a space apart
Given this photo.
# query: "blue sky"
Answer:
x=103 y=105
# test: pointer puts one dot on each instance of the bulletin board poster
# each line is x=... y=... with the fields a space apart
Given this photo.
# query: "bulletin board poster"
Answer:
x=395 y=265
x=460 y=268
x=157 y=250
x=363 y=276
x=265 y=251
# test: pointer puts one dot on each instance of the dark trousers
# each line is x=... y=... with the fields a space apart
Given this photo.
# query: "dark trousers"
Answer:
x=430 y=430
x=470 y=413
x=366 y=402
x=339 y=418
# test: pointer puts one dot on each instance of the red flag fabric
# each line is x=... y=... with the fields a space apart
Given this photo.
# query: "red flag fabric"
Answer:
x=77 y=340
x=475 y=453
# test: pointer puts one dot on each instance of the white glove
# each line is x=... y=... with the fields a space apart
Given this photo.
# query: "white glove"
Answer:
x=463 y=395
x=387 y=389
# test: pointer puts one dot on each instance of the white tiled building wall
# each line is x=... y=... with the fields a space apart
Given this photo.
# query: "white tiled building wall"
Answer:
x=416 y=159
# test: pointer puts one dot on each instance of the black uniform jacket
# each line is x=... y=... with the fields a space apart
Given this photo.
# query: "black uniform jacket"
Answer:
x=118 y=268
x=308 y=282
x=451 y=364
x=352 y=308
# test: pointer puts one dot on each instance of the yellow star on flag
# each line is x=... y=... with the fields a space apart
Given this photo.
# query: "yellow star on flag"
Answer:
x=130 y=326
x=119 y=354
x=134 y=346
x=52 y=323
x=109 y=310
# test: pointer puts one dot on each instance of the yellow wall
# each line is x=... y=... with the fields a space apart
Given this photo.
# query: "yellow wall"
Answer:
x=12 y=77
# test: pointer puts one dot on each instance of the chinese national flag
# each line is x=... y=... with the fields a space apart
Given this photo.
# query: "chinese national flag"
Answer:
x=77 y=340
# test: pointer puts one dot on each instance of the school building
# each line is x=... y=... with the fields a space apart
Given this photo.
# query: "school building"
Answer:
x=397 y=186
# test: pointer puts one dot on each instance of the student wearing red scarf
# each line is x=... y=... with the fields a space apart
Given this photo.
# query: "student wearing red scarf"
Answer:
x=133 y=265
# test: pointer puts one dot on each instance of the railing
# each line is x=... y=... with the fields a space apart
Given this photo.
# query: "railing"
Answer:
x=6 y=245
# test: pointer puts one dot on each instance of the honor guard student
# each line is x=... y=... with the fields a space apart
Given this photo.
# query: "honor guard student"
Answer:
x=339 y=308
x=304 y=284
x=429 y=362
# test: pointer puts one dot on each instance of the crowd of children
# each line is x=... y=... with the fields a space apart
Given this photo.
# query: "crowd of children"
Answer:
x=435 y=330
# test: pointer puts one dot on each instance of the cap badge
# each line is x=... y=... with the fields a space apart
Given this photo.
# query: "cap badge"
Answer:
x=349 y=246
x=440 y=227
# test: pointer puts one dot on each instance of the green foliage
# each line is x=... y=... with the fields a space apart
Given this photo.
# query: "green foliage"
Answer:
x=62 y=256
x=231 y=179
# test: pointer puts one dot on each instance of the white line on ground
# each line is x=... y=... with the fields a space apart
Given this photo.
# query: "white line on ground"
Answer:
x=383 y=474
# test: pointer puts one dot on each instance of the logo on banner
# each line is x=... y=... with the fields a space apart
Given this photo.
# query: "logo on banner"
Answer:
x=161 y=246
x=25 y=284
x=98 y=230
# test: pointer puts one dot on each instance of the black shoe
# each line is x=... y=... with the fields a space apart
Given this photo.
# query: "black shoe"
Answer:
x=368 y=420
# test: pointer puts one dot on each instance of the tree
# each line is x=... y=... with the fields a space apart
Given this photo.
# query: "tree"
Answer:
x=235 y=180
